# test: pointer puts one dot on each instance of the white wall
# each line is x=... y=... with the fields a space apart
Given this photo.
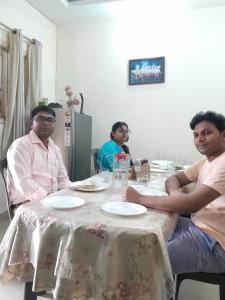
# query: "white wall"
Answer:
x=19 y=14
x=93 y=54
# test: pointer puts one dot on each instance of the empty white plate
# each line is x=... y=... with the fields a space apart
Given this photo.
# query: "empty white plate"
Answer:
x=123 y=208
x=62 y=202
x=153 y=192
x=162 y=162
x=154 y=170
x=147 y=191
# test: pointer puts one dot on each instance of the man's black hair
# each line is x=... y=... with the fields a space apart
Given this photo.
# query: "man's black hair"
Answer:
x=210 y=116
x=38 y=109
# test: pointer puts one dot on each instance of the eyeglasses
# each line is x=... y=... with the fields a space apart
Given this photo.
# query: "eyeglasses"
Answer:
x=42 y=120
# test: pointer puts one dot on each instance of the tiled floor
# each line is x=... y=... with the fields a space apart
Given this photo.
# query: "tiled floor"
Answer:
x=13 y=290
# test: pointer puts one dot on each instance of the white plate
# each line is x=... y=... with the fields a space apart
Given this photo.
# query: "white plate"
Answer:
x=162 y=162
x=153 y=170
x=123 y=208
x=147 y=191
x=90 y=186
x=153 y=192
x=62 y=202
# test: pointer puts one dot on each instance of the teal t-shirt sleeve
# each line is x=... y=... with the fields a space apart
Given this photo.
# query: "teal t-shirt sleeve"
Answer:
x=106 y=155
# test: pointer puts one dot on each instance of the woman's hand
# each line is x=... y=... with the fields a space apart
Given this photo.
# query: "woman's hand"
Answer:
x=131 y=195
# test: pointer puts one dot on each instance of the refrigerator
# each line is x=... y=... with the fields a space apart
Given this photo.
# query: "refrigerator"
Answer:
x=73 y=136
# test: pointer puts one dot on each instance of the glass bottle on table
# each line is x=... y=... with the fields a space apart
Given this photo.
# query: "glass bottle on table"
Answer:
x=120 y=169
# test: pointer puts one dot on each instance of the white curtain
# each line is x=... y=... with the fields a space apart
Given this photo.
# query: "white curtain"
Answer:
x=34 y=90
x=3 y=80
x=15 y=106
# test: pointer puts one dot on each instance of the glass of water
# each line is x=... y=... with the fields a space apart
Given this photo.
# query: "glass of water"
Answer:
x=105 y=174
x=137 y=169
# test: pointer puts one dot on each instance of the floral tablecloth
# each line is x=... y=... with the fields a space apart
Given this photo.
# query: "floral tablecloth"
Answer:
x=85 y=253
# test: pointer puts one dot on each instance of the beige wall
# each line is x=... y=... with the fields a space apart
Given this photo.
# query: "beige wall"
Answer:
x=93 y=54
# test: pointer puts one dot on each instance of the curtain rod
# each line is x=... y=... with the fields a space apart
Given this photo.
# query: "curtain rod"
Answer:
x=14 y=31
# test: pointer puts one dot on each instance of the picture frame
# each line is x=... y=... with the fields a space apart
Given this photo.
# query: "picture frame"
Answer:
x=147 y=70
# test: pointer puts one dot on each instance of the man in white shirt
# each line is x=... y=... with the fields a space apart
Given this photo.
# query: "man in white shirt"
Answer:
x=35 y=166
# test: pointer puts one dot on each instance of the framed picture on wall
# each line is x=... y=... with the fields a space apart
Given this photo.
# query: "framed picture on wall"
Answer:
x=147 y=70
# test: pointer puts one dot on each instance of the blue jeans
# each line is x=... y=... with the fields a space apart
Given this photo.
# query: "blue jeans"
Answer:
x=192 y=250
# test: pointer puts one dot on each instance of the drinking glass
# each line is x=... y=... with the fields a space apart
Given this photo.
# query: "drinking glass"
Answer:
x=137 y=169
x=145 y=171
x=142 y=170
x=105 y=174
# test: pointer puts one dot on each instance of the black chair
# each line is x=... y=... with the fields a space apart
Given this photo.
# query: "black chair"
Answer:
x=94 y=153
x=212 y=278
x=3 y=169
x=30 y=295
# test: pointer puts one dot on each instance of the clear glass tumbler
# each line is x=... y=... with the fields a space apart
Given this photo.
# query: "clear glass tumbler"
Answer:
x=137 y=169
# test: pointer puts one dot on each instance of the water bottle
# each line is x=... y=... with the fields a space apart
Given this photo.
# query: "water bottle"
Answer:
x=120 y=169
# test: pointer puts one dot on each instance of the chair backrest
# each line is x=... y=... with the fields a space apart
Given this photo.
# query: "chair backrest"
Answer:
x=3 y=169
x=94 y=153
x=212 y=278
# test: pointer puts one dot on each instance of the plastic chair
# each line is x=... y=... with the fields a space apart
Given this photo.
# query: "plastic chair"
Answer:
x=94 y=153
x=30 y=295
x=3 y=168
x=212 y=278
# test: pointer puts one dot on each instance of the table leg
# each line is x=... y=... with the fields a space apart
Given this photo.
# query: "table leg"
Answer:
x=28 y=293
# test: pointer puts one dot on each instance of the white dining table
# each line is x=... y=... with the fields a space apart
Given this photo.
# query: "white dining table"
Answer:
x=86 y=253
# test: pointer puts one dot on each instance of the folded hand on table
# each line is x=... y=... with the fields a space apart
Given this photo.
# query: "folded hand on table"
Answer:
x=175 y=193
x=131 y=195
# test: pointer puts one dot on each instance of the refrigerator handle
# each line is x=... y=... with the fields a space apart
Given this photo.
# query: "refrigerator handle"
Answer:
x=82 y=103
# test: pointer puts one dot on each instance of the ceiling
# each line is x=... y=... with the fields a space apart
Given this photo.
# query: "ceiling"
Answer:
x=64 y=11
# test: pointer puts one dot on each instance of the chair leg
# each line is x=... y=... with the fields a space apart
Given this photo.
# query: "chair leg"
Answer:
x=222 y=291
x=178 y=281
x=28 y=293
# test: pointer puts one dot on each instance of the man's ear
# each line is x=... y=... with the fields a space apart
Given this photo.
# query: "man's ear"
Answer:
x=31 y=124
x=223 y=133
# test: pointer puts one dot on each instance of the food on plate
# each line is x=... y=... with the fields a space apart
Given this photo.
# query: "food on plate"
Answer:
x=85 y=187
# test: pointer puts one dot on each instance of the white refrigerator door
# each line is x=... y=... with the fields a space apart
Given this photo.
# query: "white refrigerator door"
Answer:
x=59 y=136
